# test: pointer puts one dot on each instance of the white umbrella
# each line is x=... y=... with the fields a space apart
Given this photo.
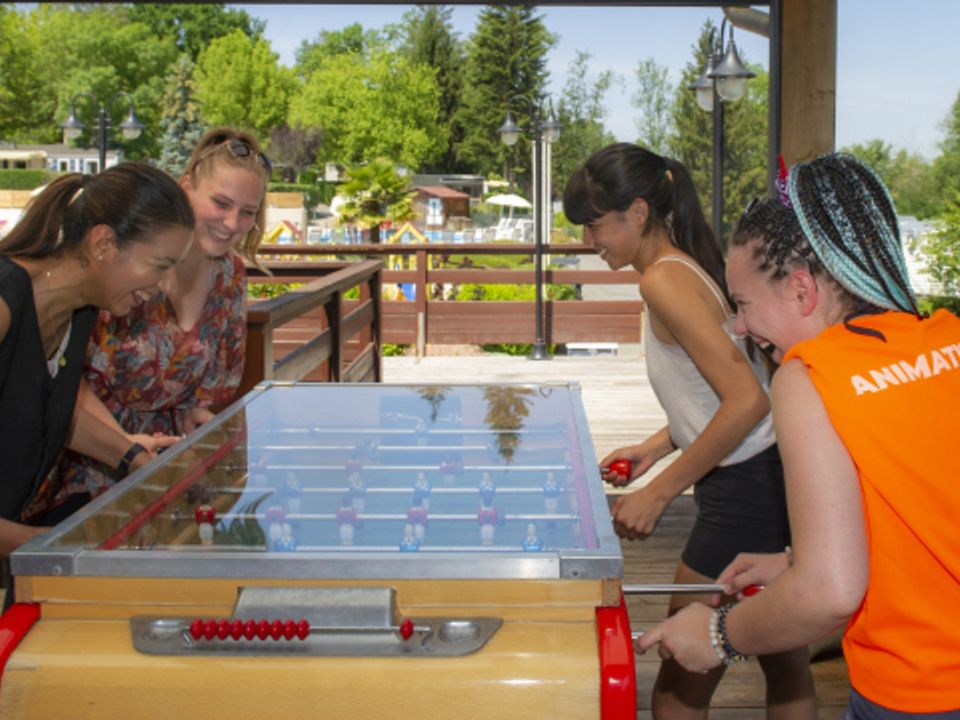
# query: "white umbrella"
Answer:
x=509 y=200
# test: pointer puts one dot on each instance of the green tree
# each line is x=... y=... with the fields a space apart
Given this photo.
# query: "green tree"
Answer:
x=193 y=26
x=581 y=112
x=383 y=105
x=353 y=40
x=25 y=104
x=431 y=42
x=294 y=149
x=97 y=49
x=745 y=133
x=877 y=154
x=947 y=166
x=943 y=250
x=506 y=57
x=181 y=124
x=373 y=194
x=654 y=99
x=240 y=82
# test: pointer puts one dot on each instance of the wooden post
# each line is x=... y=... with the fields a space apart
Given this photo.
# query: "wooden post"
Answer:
x=809 y=79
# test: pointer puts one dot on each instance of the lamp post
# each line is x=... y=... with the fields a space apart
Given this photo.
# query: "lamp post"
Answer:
x=545 y=133
x=723 y=80
x=73 y=127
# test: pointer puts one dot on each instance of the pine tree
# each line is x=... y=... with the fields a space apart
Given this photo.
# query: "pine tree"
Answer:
x=430 y=41
x=506 y=58
x=181 y=122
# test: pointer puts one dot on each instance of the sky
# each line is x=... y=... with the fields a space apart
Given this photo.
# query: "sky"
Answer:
x=897 y=61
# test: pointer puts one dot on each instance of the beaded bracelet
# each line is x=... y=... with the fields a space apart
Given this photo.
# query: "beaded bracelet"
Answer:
x=723 y=648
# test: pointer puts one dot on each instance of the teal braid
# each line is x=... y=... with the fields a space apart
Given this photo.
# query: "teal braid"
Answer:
x=848 y=217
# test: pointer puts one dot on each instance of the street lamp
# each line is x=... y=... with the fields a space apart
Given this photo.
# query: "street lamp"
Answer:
x=545 y=133
x=723 y=80
x=73 y=127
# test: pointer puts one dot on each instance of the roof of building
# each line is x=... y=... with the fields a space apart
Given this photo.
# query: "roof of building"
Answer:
x=442 y=192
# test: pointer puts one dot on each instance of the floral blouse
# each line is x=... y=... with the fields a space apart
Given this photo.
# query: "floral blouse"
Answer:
x=150 y=373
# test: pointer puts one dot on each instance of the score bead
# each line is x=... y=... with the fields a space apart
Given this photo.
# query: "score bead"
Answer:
x=276 y=629
x=406 y=629
x=250 y=629
x=289 y=629
x=303 y=629
x=196 y=629
x=223 y=629
x=236 y=629
x=263 y=629
x=210 y=629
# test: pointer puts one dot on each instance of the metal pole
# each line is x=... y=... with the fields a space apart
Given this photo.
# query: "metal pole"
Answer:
x=539 y=349
x=717 y=180
x=775 y=95
x=102 y=139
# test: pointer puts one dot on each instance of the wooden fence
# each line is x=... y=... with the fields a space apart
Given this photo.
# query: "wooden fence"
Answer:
x=428 y=318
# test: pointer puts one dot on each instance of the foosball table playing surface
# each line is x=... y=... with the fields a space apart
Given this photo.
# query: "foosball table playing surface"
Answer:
x=337 y=551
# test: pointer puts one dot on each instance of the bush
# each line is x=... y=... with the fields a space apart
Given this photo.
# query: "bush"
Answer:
x=14 y=179
x=930 y=303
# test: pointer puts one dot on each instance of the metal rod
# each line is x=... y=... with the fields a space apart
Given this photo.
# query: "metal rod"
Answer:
x=667 y=589
x=539 y=349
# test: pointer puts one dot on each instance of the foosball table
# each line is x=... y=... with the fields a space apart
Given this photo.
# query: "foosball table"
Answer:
x=338 y=551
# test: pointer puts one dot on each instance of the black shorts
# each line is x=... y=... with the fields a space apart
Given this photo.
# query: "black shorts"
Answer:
x=740 y=508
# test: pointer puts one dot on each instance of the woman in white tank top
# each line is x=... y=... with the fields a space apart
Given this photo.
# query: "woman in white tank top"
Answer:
x=641 y=209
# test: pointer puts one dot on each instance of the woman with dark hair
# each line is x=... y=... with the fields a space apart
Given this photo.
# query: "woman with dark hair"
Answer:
x=85 y=242
x=166 y=366
x=866 y=411
x=641 y=209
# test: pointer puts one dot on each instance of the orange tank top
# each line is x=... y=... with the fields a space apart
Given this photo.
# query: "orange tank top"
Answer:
x=896 y=406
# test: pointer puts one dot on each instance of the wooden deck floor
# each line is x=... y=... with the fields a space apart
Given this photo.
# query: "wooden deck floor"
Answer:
x=620 y=408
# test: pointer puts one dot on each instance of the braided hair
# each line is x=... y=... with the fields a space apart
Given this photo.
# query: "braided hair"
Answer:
x=782 y=246
x=848 y=217
x=616 y=175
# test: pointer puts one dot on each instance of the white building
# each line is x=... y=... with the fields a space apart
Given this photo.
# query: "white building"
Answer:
x=58 y=158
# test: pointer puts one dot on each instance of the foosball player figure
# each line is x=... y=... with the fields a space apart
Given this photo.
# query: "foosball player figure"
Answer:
x=551 y=496
x=275 y=517
x=449 y=470
x=532 y=543
x=487 y=489
x=422 y=490
x=291 y=494
x=409 y=543
x=347 y=520
x=487 y=518
x=286 y=542
x=358 y=492
x=417 y=516
x=206 y=518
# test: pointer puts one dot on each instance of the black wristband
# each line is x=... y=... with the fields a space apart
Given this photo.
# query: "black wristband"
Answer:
x=123 y=469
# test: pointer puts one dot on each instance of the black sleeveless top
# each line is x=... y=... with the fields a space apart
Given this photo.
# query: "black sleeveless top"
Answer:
x=35 y=409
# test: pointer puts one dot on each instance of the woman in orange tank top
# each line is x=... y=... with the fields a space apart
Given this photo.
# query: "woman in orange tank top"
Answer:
x=866 y=413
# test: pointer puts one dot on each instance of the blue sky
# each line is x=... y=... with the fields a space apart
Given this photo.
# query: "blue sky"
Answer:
x=897 y=61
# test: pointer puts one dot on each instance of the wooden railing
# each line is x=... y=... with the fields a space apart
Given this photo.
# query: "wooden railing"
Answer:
x=427 y=320
x=314 y=332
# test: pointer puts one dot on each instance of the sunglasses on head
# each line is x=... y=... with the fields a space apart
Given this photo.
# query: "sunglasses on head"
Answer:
x=239 y=149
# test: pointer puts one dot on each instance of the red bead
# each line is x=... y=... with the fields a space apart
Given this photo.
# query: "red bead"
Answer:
x=276 y=629
x=289 y=629
x=303 y=629
x=621 y=467
x=406 y=629
x=210 y=629
x=250 y=629
x=751 y=590
x=196 y=629
x=236 y=629
x=223 y=629
x=263 y=629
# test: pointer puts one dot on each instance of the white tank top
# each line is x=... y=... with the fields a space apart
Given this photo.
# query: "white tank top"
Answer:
x=687 y=398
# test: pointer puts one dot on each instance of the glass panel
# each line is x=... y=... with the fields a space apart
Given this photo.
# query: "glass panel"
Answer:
x=365 y=467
